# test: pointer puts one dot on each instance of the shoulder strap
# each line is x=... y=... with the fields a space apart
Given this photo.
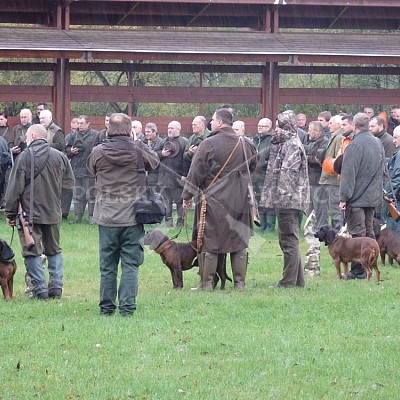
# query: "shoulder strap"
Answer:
x=31 y=191
x=223 y=166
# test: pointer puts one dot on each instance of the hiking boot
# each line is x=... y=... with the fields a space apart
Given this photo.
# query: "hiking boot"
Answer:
x=41 y=296
x=352 y=275
x=55 y=293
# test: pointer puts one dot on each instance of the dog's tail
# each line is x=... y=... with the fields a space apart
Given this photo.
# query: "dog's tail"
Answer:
x=373 y=256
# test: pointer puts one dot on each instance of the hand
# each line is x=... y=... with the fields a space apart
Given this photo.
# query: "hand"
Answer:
x=74 y=150
x=11 y=221
x=166 y=153
x=15 y=149
x=187 y=203
x=342 y=206
x=192 y=150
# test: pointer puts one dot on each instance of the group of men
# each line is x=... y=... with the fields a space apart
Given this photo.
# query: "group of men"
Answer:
x=106 y=167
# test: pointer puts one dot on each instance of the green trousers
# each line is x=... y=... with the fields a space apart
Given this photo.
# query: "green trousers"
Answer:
x=120 y=244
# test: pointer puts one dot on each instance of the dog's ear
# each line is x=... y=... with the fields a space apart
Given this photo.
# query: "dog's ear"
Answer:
x=330 y=236
x=155 y=238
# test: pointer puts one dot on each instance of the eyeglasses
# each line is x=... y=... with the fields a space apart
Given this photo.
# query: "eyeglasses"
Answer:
x=262 y=126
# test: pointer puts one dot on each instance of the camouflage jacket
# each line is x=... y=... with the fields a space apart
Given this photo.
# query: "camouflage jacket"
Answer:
x=286 y=181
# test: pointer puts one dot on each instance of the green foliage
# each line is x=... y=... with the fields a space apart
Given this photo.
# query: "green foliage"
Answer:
x=332 y=340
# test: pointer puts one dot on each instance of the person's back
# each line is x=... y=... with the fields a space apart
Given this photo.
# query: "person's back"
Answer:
x=52 y=171
x=116 y=166
x=362 y=171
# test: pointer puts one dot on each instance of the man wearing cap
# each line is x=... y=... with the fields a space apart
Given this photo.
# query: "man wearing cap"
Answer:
x=287 y=191
x=171 y=179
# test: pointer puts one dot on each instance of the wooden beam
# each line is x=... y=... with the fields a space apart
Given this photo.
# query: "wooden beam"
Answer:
x=339 y=96
x=166 y=94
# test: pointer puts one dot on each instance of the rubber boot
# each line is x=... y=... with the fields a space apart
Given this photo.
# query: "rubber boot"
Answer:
x=271 y=221
x=239 y=268
x=209 y=270
x=200 y=259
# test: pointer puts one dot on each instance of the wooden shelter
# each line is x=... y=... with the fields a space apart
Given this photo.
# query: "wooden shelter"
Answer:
x=266 y=37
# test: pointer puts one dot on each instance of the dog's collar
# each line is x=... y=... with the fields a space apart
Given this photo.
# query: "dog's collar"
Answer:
x=8 y=260
x=334 y=240
x=163 y=246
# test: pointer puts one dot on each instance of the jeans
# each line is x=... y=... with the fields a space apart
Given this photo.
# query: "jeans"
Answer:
x=47 y=239
x=125 y=244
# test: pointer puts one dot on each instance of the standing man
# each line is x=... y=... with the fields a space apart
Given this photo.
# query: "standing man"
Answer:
x=262 y=141
x=17 y=139
x=79 y=147
x=328 y=180
x=361 y=183
x=200 y=132
x=137 y=131
x=394 y=119
x=171 y=178
x=377 y=128
x=302 y=121
x=103 y=134
x=220 y=161
x=318 y=196
x=287 y=191
x=116 y=165
x=55 y=135
x=239 y=128
x=155 y=143
x=324 y=117
x=52 y=172
x=39 y=108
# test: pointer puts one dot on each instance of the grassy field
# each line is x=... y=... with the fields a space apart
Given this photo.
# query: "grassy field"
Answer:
x=332 y=340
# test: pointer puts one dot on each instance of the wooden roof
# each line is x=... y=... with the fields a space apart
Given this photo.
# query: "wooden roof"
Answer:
x=201 y=45
x=298 y=14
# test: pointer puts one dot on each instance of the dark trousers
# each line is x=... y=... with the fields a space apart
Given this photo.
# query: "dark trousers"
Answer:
x=319 y=202
x=125 y=244
x=360 y=224
x=173 y=195
x=288 y=224
x=66 y=200
x=84 y=193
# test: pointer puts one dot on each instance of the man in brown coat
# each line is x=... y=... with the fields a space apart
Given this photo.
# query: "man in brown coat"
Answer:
x=219 y=161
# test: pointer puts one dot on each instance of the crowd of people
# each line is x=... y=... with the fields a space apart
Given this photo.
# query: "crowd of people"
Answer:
x=331 y=169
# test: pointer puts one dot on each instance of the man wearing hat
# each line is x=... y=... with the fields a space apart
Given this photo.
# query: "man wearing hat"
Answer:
x=170 y=179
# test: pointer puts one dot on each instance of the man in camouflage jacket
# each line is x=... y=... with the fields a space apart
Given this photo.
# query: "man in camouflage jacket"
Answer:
x=287 y=190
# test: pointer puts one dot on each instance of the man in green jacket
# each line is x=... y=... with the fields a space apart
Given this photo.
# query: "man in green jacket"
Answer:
x=41 y=201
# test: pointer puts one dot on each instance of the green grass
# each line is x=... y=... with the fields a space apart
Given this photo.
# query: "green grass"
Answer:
x=331 y=340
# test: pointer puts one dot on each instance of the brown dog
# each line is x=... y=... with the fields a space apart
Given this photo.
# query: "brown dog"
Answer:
x=389 y=243
x=344 y=250
x=179 y=257
x=7 y=269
